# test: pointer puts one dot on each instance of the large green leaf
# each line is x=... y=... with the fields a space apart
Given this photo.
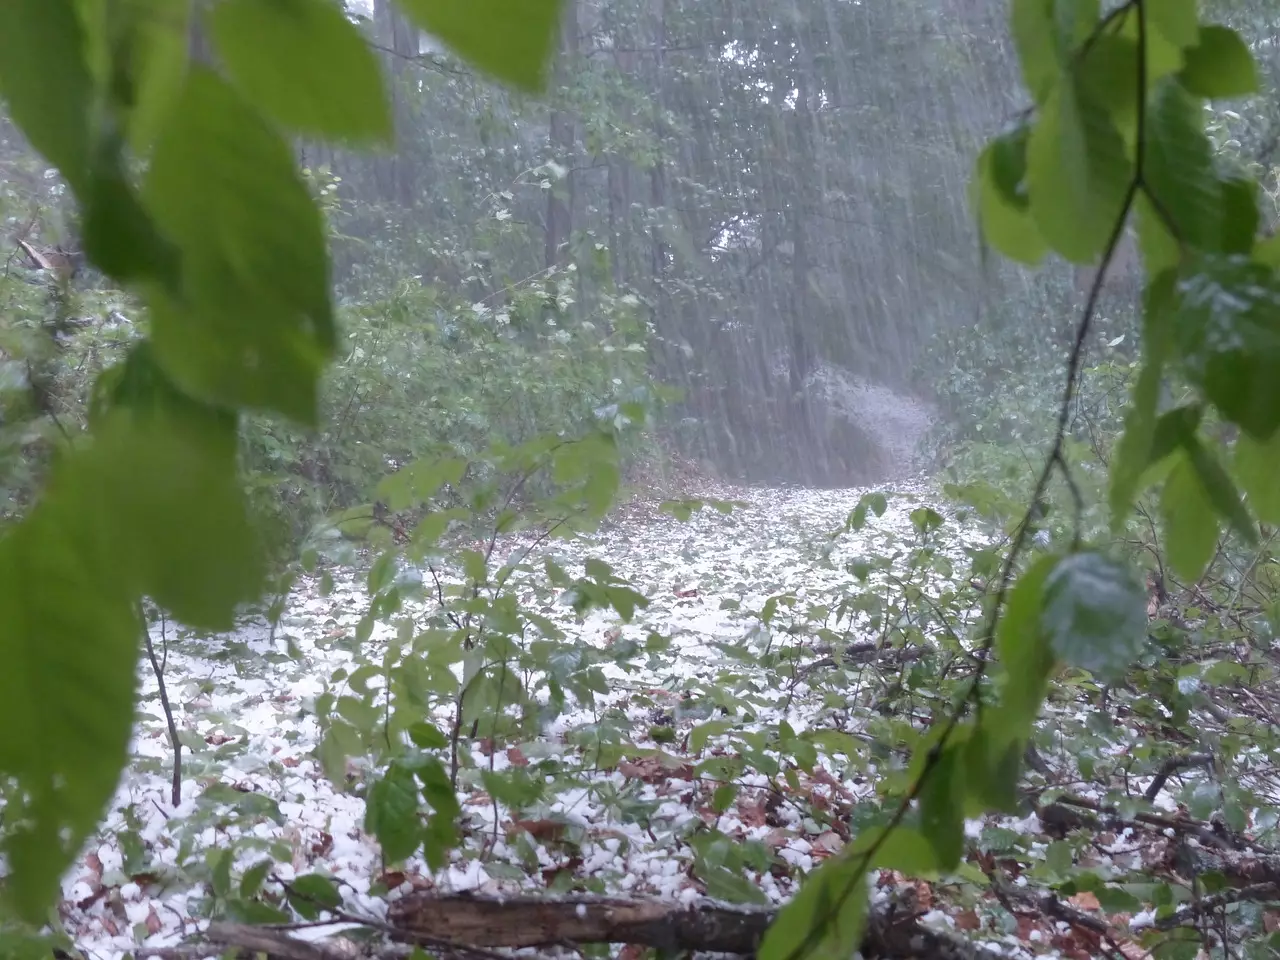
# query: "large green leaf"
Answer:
x=1190 y=526
x=1047 y=33
x=1094 y=613
x=1219 y=488
x=254 y=323
x=1220 y=65
x=510 y=39
x=67 y=688
x=904 y=849
x=942 y=805
x=149 y=58
x=1258 y=469
x=177 y=513
x=1077 y=173
x=392 y=813
x=1178 y=21
x=46 y=82
x=1023 y=649
x=1179 y=173
x=119 y=235
x=828 y=916
x=1000 y=198
x=1133 y=453
x=305 y=64
x=1228 y=332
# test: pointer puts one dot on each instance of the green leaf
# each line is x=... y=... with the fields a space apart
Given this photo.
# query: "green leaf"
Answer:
x=1001 y=202
x=1190 y=526
x=1228 y=332
x=1077 y=173
x=729 y=884
x=1220 y=65
x=826 y=919
x=418 y=482
x=252 y=879
x=220 y=874
x=254 y=324
x=427 y=736
x=311 y=894
x=119 y=236
x=391 y=813
x=1024 y=650
x=942 y=806
x=71 y=641
x=1220 y=489
x=1134 y=451
x=509 y=39
x=1258 y=469
x=149 y=60
x=1178 y=21
x=903 y=849
x=1047 y=33
x=1179 y=170
x=162 y=488
x=305 y=65
x=51 y=104
x=1094 y=614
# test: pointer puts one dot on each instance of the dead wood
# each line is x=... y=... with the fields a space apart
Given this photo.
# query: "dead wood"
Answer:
x=705 y=926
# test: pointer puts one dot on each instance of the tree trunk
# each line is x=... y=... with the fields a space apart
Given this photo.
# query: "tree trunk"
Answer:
x=560 y=198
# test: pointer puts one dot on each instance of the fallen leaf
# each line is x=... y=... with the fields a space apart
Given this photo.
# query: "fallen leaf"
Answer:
x=516 y=758
x=1084 y=900
x=967 y=920
x=541 y=830
x=827 y=844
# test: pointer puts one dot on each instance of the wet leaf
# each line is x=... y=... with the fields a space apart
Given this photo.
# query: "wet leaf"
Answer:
x=1190 y=526
x=1220 y=65
x=510 y=39
x=1094 y=614
x=1228 y=332
x=305 y=64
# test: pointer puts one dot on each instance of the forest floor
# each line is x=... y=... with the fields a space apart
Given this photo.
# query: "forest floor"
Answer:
x=646 y=817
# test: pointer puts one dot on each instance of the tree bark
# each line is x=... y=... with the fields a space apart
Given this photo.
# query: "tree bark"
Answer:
x=560 y=198
x=706 y=925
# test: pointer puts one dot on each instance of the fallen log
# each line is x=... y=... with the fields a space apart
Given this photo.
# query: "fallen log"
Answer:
x=709 y=926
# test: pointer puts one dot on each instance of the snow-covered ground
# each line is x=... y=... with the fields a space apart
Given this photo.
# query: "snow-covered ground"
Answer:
x=719 y=676
x=251 y=781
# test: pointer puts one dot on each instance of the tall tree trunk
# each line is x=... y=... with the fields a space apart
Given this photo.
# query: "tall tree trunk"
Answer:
x=400 y=45
x=560 y=198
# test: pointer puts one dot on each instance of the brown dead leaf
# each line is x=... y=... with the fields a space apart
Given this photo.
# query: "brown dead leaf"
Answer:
x=753 y=812
x=1271 y=921
x=218 y=739
x=289 y=762
x=1132 y=951
x=322 y=845
x=632 y=951
x=967 y=920
x=687 y=594
x=516 y=757
x=653 y=770
x=776 y=838
x=1084 y=900
x=827 y=844
x=154 y=925
x=544 y=831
